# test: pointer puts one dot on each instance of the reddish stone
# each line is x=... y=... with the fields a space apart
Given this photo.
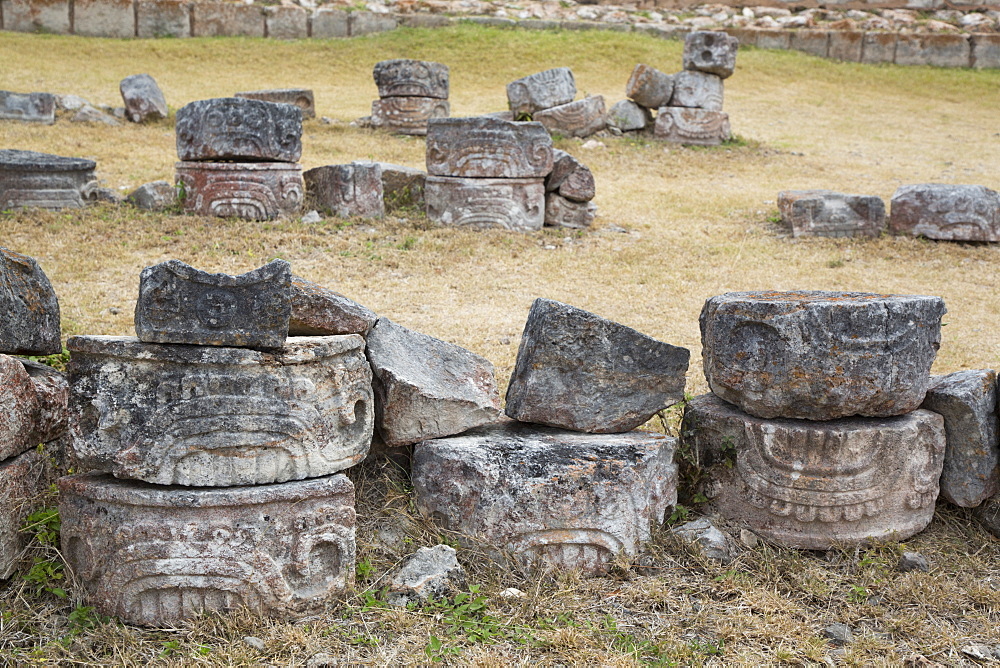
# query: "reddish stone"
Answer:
x=939 y=50
x=19 y=408
x=249 y=190
x=52 y=392
x=319 y=311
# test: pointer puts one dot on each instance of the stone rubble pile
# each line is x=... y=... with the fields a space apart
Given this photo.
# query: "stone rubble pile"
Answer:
x=547 y=97
x=411 y=92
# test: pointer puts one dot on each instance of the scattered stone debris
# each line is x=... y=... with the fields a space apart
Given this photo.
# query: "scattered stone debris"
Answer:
x=88 y=114
x=838 y=634
x=29 y=107
x=430 y=573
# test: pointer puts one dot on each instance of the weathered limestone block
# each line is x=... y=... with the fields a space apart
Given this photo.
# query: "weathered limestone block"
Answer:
x=813 y=42
x=329 y=23
x=946 y=211
x=19 y=409
x=29 y=16
x=820 y=355
x=484 y=147
x=562 y=212
x=302 y=98
x=226 y=19
x=968 y=402
x=581 y=118
x=248 y=190
x=31 y=107
x=162 y=18
x=649 y=87
x=427 y=388
x=286 y=22
x=143 y=98
x=346 y=190
x=696 y=127
x=879 y=47
x=236 y=128
x=513 y=204
x=32 y=179
x=408 y=115
x=940 y=50
x=816 y=485
x=698 y=90
x=367 y=23
x=547 y=495
x=404 y=77
x=846 y=45
x=23 y=479
x=541 y=91
x=402 y=186
x=825 y=213
x=570 y=178
x=710 y=51
x=429 y=573
x=180 y=304
x=578 y=371
x=104 y=18
x=209 y=416
x=629 y=116
x=30 y=322
x=154 y=196
x=52 y=398
x=154 y=555
x=319 y=311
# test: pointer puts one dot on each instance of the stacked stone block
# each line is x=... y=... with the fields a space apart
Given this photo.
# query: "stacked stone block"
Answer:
x=547 y=97
x=411 y=92
x=43 y=180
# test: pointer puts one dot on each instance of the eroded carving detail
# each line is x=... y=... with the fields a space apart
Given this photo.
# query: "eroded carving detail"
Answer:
x=248 y=190
x=235 y=128
x=692 y=126
x=483 y=147
x=408 y=115
x=513 y=204
x=411 y=78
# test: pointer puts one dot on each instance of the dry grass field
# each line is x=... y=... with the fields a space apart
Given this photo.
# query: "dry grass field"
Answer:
x=676 y=226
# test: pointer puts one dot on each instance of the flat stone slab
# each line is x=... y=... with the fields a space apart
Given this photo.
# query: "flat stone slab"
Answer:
x=513 y=204
x=825 y=213
x=346 y=190
x=947 y=212
x=23 y=482
x=236 y=128
x=710 y=51
x=427 y=388
x=30 y=322
x=29 y=107
x=694 y=127
x=562 y=212
x=697 y=89
x=143 y=98
x=404 y=77
x=649 y=87
x=629 y=116
x=968 y=402
x=541 y=91
x=820 y=355
x=319 y=311
x=570 y=500
x=485 y=147
x=247 y=190
x=208 y=416
x=302 y=98
x=581 y=118
x=578 y=371
x=153 y=555
x=819 y=485
x=570 y=178
x=43 y=180
x=407 y=115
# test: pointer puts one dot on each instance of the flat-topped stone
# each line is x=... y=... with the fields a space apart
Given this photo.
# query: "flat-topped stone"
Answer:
x=649 y=87
x=404 y=77
x=820 y=355
x=346 y=190
x=825 y=213
x=710 y=51
x=319 y=311
x=695 y=127
x=407 y=115
x=43 y=180
x=143 y=98
x=302 y=98
x=23 y=480
x=236 y=128
x=580 y=118
x=512 y=204
x=697 y=89
x=13 y=159
x=484 y=147
x=30 y=107
x=30 y=322
x=947 y=212
x=248 y=190
x=541 y=90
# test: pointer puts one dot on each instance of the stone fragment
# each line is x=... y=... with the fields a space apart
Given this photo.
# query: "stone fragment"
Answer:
x=649 y=87
x=946 y=211
x=820 y=355
x=562 y=212
x=32 y=179
x=698 y=90
x=153 y=556
x=513 y=204
x=570 y=178
x=212 y=416
x=407 y=115
x=19 y=409
x=52 y=395
x=429 y=573
x=483 y=147
x=411 y=78
x=710 y=51
x=838 y=634
x=30 y=322
x=162 y=18
x=154 y=196
x=23 y=479
x=302 y=98
x=708 y=540
x=346 y=190
x=427 y=388
x=319 y=311
x=143 y=98
x=581 y=118
x=570 y=500
x=31 y=107
x=71 y=102
x=579 y=371
x=912 y=561
x=696 y=127
x=968 y=402
x=236 y=128
x=255 y=642
x=988 y=514
x=248 y=190
x=88 y=114
x=816 y=485
x=825 y=213
x=402 y=186
x=629 y=116
x=541 y=91
x=311 y=217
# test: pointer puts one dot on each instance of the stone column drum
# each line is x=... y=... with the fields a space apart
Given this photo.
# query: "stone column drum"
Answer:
x=249 y=190
x=155 y=555
x=214 y=416
x=32 y=179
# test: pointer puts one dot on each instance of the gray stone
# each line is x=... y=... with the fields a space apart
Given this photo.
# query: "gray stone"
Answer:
x=248 y=190
x=302 y=98
x=31 y=107
x=104 y=18
x=71 y=102
x=154 y=555
x=818 y=485
x=502 y=115
x=838 y=634
x=581 y=118
x=26 y=16
x=255 y=642
x=404 y=77
x=402 y=186
x=846 y=45
x=570 y=178
x=513 y=204
x=541 y=91
x=548 y=496
x=696 y=127
x=19 y=409
x=820 y=355
x=346 y=190
x=814 y=42
x=484 y=147
x=562 y=212
x=235 y=128
x=825 y=213
x=23 y=479
x=710 y=51
x=427 y=388
x=579 y=371
x=30 y=323
x=52 y=397
x=912 y=561
x=429 y=573
x=180 y=304
x=154 y=196
x=88 y=114
x=968 y=402
x=286 y=22
x=649 y=87
x=698 y=90
x=212 y=416
x=946 y=211
x=939 y=50
x=162 y=18
x=985 y=52
x=407 y=115
x=31 y=179
x=329 y=23
x=319 y=311
x=708 y=540
x=367 y=23
x=628 y=116
x=226 y=19
x=879 y=47
x=311 y=217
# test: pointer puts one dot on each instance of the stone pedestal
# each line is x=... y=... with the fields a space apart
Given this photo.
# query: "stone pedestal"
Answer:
x=404 y=77
x=249 y=190
x=513 y=204
x=31 y=179
x=302 y=98
x=235 y=128
x=484 y=147
x=695 y=127
x=408 y=115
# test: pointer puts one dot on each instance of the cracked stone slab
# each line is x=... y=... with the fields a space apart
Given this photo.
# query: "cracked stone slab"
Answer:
x=581 y=118
x=710 y=51
x=143 y=98
x=346 y=190
x=541 y=90
x=570 y=178
x=247 y=190
x=236 y=128
x=562 y=212
x=30 y=323
x=302 y=98
x=29 y=107
x=32 y=179
x=407 y=115
x=404 y=77
x=699 y=90
x=320 y=311
x=23 y=480
x=693 y=127
x=946 y=212
x=512 y=204
x=485 y=147
x=825 y=213
x=649 y=87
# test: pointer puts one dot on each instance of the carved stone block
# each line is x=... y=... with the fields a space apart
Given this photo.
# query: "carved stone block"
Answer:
x=302 y=98
x=696 y=127
x=30 y=322
x=947 y=212
x=154 y=555
x=52 y=395
x=581 y=118
x=411 y=78
x=484 y=147
x=209 y=416
x=541 y=91
x=570 y=178
x=562 y=212
x=571 y=500
x=649 y=87
x=180 y=304
x=319 y=311
x=248 y=190
x=235 y=128
x=402 y=186
x=31 y=179
x=825 y=213
x=23 y=481
x=699 y=90
x=820 y=355
x=628 y=116
x=31 y=107
x=408 y=115
x=513 y=204
x=710 y=51
x=346 y=190
x=817 y=485
x=143 y=98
